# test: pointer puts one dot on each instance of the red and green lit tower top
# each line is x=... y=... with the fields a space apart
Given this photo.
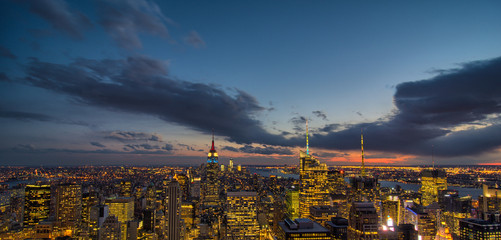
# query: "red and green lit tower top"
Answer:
x=212 y=156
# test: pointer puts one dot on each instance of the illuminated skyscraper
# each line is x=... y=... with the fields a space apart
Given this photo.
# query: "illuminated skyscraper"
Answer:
x=432 y=181
x=211 y=186
x=69 y=205
x=292 y=204
x=490 y=201
x=123 y=209
x=36 y=204
x=241 y=215
x=364 y=188
x=363 y=221
x=174 y=211
x=230 y=166
x=313 y=188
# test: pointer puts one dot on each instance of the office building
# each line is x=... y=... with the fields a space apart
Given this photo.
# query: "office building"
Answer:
x=313 y=188
x=241 y=215
x=173 y=211
x=338 y=227
x=302 y=229
x=123 y=209
x=36 y=204
x=432 y=182
x=211 y=177
x=69 y=205
x=322 y=214
x=478 y=229
x=292 y=203
x=363 y=221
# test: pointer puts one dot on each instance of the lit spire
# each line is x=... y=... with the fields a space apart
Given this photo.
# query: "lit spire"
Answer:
x=362 y=142
x=307 y=145
x=212 y=148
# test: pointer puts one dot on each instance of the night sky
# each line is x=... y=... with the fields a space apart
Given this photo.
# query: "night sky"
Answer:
x=146 y=83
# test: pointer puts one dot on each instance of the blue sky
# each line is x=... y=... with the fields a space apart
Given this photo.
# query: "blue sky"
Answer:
x=145 y=82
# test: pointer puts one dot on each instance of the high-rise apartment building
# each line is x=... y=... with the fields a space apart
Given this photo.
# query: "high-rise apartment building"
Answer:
x=69 y=205
x=36 y=204
x=241 y=215
x=432 y=181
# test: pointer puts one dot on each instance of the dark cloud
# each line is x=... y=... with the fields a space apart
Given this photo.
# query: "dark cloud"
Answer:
x=330 y=127
x=3 y=77
x=427 y=113
x=298 y=123
x=194 y=40
x=146 y=148
x=39 y=117
x=61 y=17
x=140 y=85
x=25 y=116
x=124 y=20
x=129 y=136
x=97 y=144
x=4 y=52
x=320 y=114
x=188 y=147
x=266 y=150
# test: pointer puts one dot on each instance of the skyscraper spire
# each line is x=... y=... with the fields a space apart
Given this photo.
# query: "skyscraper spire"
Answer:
x=362 y=142
x=212 y=157
x=212 y=148
x=307 y=145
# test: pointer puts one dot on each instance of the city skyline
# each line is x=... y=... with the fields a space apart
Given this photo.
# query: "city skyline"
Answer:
x=147 y=83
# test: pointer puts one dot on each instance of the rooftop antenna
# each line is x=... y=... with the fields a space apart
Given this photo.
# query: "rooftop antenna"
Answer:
x=362 y=146
x=212 y=148
x=307 y=145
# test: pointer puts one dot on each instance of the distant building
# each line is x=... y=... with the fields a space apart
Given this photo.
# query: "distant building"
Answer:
x=363 y=221
x=422 y=222
x=111 y=229
x=36 y=204
x=322 y=214
x=302 y=229
x=338 y=228
x=292 y=203
x=432 y=182
x=123 y=209
x=241 y=215
x=490 y=201
x=407 y=232
x=97 y=216
x=69 y=205
x=478 y=229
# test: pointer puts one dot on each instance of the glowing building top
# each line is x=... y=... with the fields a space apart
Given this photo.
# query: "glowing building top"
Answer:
x=212 y=156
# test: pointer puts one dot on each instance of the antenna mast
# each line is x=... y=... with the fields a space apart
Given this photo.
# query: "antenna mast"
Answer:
x=307 y=145
x=362 y=146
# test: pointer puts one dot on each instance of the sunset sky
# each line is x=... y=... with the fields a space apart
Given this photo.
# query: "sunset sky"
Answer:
x=146 y=82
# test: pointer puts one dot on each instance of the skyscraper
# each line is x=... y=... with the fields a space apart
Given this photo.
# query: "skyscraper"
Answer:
x=241 y=214
x=36 y=204
x=313 y=189
x=123 y=209
x=211 y=186
x=432 y=181
x=174 y=211
x=363 y=221
x=69 y=205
